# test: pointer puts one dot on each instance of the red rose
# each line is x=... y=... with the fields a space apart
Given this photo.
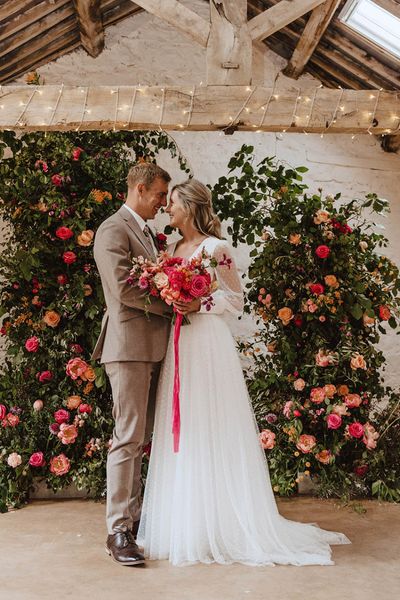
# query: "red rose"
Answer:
x=69 y=257
x=356 y=430
x=384 y=312
x=37 y=460
x=317 y=288
x=361 y=470
x=61 y=416
x=77 y=348
x=76 y=152
x=3 y=411
x=57 y=180
x=64 y=233
x=322 y=251
x=62 y=279
x=32 y=344
x=45 y=376
x=298 y=321
x=85 y=408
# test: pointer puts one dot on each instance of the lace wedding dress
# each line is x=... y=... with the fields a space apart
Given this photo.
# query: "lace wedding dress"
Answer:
x=212 y=501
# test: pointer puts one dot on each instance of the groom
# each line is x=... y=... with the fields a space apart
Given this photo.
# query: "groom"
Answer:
x=131 y=346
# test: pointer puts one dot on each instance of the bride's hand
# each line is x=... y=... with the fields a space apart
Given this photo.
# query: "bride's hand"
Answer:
x=188 y=307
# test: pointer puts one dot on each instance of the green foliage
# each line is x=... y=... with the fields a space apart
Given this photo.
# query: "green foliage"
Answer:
x=74 y=181
x=323 y=295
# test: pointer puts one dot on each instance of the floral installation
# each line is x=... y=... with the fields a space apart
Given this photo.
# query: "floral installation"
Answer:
x=55 y=403
x=323 y=293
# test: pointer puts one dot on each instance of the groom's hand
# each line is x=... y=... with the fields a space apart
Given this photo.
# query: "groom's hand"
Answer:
x=188 y=307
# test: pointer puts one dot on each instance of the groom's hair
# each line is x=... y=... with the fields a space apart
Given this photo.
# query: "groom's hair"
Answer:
x=146 y=173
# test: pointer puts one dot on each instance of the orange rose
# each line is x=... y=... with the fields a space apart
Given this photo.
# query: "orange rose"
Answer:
x=324 y=457
x=51 y=318
x=295 y=238
x=321 y=216
x=73 y=402
x=88 y=388
x=331 y=281
x=343 y=390
x=89 y=375
x=285 y=314
x=85 y=238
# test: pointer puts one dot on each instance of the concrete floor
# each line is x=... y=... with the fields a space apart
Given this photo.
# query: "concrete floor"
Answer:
x=55 y=549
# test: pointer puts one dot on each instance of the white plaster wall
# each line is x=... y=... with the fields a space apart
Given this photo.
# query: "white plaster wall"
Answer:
x=143 y=49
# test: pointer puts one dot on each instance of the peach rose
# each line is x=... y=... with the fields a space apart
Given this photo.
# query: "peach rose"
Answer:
x=340 y=409
x=85 y=238
x=368 y=321
x=38 y=405
x=76 y=367
x=330 y=390
x=317 y=395
x=363 y=245
x=267 y=439
x=352 y=400
x=343 y=390
x=14 y=460
x=331 y=281
x=299 y=384
x=306 y=443
x=161 y=280
x=370 y=436
x=324 y=457
x=357 y=361
x=295 y=239
x=73 y=402
x=285 y=314
x=87 y=290
x=67 y=433
x=51 y=318
x=321 y=216
x=60 y=465
x=89 y=375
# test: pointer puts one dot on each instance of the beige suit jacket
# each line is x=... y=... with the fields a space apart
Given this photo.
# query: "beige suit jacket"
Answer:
x=127 y=334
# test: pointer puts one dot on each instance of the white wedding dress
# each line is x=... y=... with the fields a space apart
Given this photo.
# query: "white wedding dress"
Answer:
x=212 y=501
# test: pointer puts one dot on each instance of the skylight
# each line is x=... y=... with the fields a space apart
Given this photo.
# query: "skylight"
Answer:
x=373 y=22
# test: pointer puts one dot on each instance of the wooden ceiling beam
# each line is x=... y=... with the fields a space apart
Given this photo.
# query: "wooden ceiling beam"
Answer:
x=180 y=17
x=90 y=25
x=309 y=40
x=278 y=16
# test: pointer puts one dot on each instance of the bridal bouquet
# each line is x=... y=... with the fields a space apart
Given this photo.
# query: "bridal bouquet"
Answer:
x=174 y=279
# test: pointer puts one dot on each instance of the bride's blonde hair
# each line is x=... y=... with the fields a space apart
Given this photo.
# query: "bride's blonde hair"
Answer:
x=196 y=199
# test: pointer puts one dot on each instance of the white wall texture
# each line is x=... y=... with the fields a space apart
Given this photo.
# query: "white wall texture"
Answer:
x=144 y=49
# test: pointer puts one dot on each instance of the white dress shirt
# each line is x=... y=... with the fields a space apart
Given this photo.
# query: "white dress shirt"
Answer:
x=142 y=224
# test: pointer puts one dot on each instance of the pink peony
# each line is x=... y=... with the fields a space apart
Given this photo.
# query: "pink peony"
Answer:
x=69 y=257
x=44 y=376
x=299 y=384
x=76 y=152
x=64 y=233
x=57 y=180
x=370 y=436
x=322 y=251
x=37 y=459
x=3 y=411
x=61 y=416
x=14 y=460
x=352 y=400
x=333 y=421
x=356 y=430
x=60 y=465
x=267 y=439
x=76 y=367
x=67 y=433
x=85 y=408
x=317 y=395
x=200 y=286
x=306 y=443
x=32 y=344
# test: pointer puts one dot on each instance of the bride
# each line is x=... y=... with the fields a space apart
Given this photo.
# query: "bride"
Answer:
x=212 y=501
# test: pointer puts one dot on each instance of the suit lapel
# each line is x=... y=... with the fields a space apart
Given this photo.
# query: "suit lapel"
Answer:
x=134 y=227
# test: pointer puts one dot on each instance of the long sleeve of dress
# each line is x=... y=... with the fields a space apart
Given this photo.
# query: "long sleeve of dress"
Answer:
x=229 y=294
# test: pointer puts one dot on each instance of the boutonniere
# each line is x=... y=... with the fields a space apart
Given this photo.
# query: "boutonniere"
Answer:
x=161 y=241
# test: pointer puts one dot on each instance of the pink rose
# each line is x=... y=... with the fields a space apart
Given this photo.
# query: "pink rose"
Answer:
x=306 y=443
x=54 y=428
x=3 y=411
x=38 y=405
x=324 y=359
x=14 y=460
x=333 y=421
x=44 y=376
x=267 y=439
x=85 y=408
x=287 y=409
x=356 y=430
x=60 y=465
x=76 y=367
x=370 y=436
x=322 y=251
x=352 y=400
x=200 y=286
x=317 y=289
x=76 y=152
x=67 y=433
x=37 y=459
x=317 y=395
x=69 y=257
x=61 y=416
x=64 y=233
x=299 y=385
x=32 y=344
x=57 y=180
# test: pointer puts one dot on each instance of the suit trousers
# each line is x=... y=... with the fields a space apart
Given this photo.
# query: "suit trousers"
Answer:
x=134 y=387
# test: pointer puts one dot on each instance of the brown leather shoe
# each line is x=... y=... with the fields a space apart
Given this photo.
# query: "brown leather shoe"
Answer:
x=122 y=548
x=135 y=528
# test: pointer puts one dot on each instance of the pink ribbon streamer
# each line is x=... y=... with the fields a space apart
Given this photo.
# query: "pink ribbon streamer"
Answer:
x=176 y=414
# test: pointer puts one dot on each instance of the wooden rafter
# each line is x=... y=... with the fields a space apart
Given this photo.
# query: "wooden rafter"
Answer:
x=181 y=17
x=207 y=108
x=90 y=25
x=309 y=40
x=278 y=16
